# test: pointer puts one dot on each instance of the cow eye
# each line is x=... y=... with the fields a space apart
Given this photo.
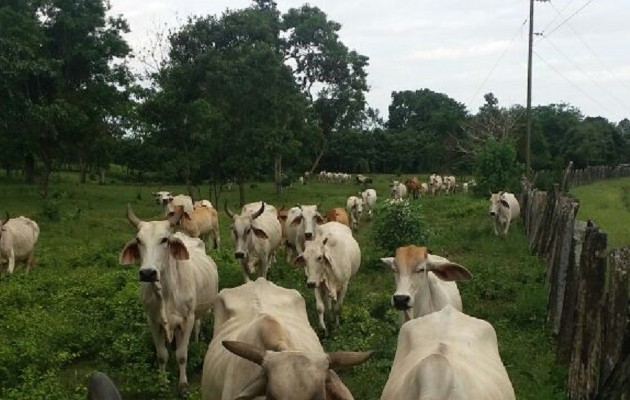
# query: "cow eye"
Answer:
x=138 y=240
x=164 y=240
x=320 y=258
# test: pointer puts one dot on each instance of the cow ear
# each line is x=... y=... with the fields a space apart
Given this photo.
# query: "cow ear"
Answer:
x=329 y=241
x=320 y=220
x=178 y=249
x=130 y=253
x=335 y=388
x=504 y=203
x=448 y=271
x=260 y=233
x=299 y=261
x=296 y=221
x=389 y=261
x=255 y=388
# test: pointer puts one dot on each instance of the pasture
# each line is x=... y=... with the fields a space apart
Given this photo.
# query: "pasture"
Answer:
x=608 y=204
x=78 y=309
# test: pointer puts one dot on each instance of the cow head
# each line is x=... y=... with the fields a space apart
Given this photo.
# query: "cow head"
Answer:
x=163 y=197
x=356 y=206
x=317 y=260
x=243 y=230
x=497 y=201
x=3 y=221
x=154 y=247
x=411 y=266
x=296 y=375
x=309 y=217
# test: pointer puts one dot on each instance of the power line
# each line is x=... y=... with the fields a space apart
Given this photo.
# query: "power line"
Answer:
x=619 y=102
x=558 y=14
x=570 y=81
x=566 y=20
x=494 y=67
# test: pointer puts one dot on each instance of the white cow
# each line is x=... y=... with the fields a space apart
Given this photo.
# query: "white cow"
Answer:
x=369 y=200
x=398 y=190
x=329 y=262
x=435 y=184
x=354 y=206
x=450 y=183
x=447 y=355
x=256 y=233
x=273 y=351
x=424 y=282
x=504 y=208
x=202 y=203
x=178 y=284
x=300 y=227
x=18 y=237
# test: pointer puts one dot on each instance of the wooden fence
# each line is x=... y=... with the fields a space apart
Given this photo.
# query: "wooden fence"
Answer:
x=587 y=284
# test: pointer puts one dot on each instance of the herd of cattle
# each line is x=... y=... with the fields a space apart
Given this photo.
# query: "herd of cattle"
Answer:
x=263 y=345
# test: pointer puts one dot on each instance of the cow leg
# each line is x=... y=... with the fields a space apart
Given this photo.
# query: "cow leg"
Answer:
x=197 y=329
x=160 y=346
x=507 y=227
x=182 y=336
x=11 y=259
x=337 y=304
x=216 y=239
x=320 y=309
x=30 y=260
x=496 y=227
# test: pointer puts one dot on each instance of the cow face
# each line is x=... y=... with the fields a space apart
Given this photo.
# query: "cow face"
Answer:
x=411 y=266
x=496 y=203
x=154 y=247
x=296 y=375
x=309 y=217
x=316 y=260
x=243 y=231
x=163 y=197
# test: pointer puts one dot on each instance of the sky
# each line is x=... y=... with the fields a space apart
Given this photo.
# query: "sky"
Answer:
x=462 y=48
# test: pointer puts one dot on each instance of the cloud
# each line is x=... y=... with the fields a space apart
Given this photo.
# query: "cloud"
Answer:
x=453 y=53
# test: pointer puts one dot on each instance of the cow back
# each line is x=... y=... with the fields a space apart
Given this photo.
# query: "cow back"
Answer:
x=21 y=234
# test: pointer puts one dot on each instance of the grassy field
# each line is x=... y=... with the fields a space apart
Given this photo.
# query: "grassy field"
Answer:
x=78 y=310
x=608 y=204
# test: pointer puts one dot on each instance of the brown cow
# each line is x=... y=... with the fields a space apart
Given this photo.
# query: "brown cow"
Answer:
x=413 y=186
x=338 y=214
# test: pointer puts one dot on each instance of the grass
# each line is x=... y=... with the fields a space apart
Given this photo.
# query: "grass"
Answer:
x=78 y=310
x=608 y=204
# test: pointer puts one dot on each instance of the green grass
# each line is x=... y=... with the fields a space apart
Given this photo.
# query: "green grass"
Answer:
x=608 y=204
x=78 y=310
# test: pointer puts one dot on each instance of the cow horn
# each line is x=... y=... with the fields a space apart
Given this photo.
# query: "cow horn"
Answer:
x=245 y=350
x=259 y=212
x=281 y=208
x=228 y=211
x=298 y=205
x=132 y=217
x=174 y=218
x=347 y=358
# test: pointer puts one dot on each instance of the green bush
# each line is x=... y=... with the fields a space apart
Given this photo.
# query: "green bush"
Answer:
x=496 y=167
x=399 y=223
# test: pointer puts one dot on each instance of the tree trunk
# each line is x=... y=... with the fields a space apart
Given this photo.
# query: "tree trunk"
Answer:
x=29 y=169
x=45 y=177
x=82 y=169
x=101 y=179
x=319 y=157
x=277 y=170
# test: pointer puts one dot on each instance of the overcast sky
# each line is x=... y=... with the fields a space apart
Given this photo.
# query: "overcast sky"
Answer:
x=463 y=48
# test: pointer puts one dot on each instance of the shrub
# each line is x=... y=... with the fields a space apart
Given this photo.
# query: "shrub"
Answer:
x=496 y=167
x=399 y=223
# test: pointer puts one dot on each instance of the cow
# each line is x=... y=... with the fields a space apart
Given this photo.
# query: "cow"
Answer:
x=363 y=180
x=354 y=206
x=300 y=226
x=465 y=187
x=329 y=262
x=504 y=208
x=101 y=387
x=413 y=186
x=369 y=201
x=169 y=202
x=202 y=222
x=424 y=282
x=178 y=284
x=398 y=191
x=18 y=237
x=256 y=235
x=449 y=184
x=337 y=214
x=424 y=189
x=269 y=351
x=435 y=184
x=447 y=355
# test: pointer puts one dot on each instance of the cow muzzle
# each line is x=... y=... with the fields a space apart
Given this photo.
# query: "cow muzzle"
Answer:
x=308 y=235
x=401 y=301
x=148 y=275
x=492 y=213
x=311 y=285
x=239 y=255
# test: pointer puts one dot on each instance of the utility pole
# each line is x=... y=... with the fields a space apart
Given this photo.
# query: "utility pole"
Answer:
x=528 y=150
